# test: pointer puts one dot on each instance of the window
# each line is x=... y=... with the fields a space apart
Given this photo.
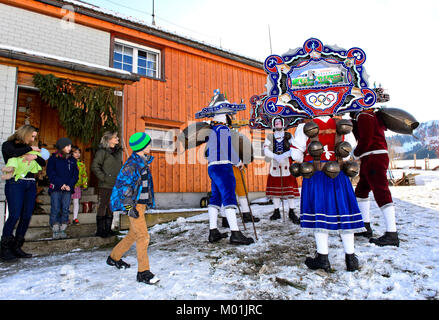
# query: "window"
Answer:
x=162 y=140
x=258 y=149
x=136 y=58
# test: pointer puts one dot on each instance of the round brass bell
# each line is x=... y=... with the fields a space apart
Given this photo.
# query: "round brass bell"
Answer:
x=306 y=170
x=331 y=169
x=351 y=168
x=343 y=149
x=315 y=149
x=344 y=126
x=295 y=170
x=311 y=129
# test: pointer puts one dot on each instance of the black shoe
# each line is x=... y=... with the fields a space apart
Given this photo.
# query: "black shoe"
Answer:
x=100 y=227
x=293 y=217
x=238 y=238
x=18 y=243
x=320 y=261
x=276 y=215
x=368 y=233
x=225 y=223
x=351 y=262
x=118 y=264
x=215 y=235
x=388 y=239
x=107 y=227
x=6 y=249
x=248 y=217
x=147 y=277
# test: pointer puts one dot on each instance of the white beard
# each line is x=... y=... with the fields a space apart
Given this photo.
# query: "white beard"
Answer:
x=220 y=118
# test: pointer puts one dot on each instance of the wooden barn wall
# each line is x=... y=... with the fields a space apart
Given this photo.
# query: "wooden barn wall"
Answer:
x=189 y=81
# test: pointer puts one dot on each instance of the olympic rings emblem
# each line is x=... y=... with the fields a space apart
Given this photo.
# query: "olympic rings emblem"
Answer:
x=321 y=99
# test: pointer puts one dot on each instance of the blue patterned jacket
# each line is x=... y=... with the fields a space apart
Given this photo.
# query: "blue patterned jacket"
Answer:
x=128 y=186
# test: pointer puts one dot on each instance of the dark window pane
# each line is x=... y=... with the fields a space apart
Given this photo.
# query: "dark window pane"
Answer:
x=117 y=57
x=128 y=67
x=117 y=65
x=141 y=63
x=141 y=71
x=127 y=59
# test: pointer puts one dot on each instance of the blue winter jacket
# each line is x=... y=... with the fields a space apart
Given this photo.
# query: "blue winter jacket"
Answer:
x=62 y=170
x=128 y=186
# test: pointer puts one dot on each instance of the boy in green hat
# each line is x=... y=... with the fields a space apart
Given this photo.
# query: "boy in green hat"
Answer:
x=133 y=194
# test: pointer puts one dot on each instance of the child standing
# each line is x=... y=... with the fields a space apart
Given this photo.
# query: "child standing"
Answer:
x=132 y=194
x=82 y=182
x=62 y=171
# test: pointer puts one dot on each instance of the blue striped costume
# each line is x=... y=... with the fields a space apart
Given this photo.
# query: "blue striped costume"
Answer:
x=221 y=157
x=327 y=204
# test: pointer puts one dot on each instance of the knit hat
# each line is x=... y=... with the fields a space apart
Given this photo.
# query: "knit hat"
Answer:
x=62 y=143
x=139 y=141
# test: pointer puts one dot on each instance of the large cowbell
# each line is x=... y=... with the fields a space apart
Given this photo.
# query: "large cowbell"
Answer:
x=398 y=120
x=317 y=80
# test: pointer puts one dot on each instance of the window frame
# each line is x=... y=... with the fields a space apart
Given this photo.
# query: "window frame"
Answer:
x=136 y=47
x=165 y=131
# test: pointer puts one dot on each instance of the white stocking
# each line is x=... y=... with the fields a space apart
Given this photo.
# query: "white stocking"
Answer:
x=231 y=219
x=291 y=203
x=348 y=242
x=222 y=212
x=364 y=206
x=389 y=217
x=321 y=242
x=276 y=202
x=244 y=204
x=75 y=208
x=213 y=216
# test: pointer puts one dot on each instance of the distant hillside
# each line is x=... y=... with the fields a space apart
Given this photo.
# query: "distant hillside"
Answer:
x=405 y=146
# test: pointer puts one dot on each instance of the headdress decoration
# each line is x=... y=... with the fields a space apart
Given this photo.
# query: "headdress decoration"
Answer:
x=219 y=105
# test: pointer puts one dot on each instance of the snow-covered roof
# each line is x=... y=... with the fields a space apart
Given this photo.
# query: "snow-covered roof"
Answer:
x=65 y=60
x=175 y=36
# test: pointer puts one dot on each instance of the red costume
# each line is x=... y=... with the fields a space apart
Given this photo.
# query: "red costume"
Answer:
x=372 y=150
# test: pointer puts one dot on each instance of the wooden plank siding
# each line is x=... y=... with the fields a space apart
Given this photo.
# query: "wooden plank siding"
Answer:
x=190 y=73
x=187 y=86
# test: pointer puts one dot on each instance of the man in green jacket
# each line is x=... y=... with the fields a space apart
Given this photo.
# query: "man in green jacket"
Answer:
x=106 y=165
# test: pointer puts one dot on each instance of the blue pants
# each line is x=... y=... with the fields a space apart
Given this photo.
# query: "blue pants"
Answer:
x=20 y=196
x=60 y=207
x=223 y=185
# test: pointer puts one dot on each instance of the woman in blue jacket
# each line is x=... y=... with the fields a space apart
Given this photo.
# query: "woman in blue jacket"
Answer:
x=63 y=173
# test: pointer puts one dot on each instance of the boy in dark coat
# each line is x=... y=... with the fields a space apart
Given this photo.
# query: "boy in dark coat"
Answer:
x=132 y=194
x=62 y=171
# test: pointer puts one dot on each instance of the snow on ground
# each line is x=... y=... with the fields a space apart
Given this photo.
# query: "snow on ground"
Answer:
x=273 y=268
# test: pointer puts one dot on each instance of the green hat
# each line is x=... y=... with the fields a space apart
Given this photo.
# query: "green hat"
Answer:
x=139 y=141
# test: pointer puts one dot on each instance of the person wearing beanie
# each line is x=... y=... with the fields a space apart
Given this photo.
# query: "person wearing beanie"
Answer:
x=133 y=194
x=63 y=173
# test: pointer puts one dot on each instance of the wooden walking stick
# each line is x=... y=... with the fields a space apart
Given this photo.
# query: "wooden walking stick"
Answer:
x=248 y=201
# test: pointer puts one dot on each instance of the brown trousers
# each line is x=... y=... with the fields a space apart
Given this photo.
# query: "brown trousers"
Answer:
x=137 y=233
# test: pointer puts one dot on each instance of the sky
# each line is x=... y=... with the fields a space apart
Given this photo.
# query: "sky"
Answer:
x=398 y=37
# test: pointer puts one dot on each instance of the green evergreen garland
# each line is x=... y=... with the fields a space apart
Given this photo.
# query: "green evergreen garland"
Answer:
x=85 y=112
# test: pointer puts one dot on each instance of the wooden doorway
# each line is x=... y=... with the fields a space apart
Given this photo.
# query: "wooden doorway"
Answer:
x=32 y=110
